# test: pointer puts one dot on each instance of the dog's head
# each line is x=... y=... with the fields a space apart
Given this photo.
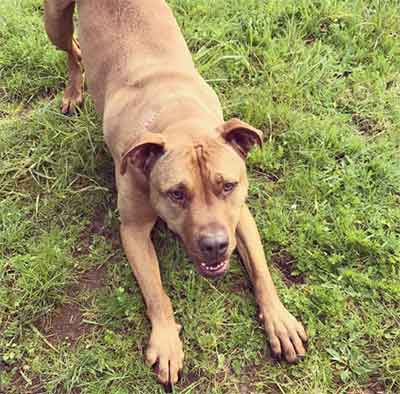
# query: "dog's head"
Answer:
x=197 y=184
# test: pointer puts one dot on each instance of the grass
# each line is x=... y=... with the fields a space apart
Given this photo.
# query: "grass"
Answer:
x=322 y=79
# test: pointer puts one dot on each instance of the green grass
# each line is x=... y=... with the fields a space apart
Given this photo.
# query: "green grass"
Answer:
x=322 y=79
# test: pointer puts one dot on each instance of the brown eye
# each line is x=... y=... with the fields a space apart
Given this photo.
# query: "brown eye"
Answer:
x=176 y=195
x=229 y=186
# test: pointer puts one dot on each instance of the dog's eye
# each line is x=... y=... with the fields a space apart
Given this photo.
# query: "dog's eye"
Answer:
x=229 y=186
x=176 y=195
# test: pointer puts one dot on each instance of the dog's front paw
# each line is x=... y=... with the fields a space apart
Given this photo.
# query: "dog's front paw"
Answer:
x=286 y=335
x=165 y=353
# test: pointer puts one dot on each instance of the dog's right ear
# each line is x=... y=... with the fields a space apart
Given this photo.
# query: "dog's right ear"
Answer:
x=241 y=136
x=143 y=152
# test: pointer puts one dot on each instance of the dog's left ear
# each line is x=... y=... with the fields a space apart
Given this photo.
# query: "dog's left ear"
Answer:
x=241 y=136
x=143 y=152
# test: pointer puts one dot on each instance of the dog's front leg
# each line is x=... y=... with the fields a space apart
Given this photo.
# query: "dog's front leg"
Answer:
x=286 y=334
x=165 y=346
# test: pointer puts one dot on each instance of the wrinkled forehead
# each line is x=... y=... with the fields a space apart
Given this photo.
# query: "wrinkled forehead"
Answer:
x=187 y=164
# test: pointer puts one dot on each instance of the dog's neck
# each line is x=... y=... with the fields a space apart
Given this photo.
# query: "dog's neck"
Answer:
x=174 y=113
x=181 y=110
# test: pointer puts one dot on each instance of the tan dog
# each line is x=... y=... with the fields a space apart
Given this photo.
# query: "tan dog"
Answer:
x=174 y=156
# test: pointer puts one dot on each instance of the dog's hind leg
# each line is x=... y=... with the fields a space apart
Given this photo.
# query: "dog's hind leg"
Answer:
x=59 y=25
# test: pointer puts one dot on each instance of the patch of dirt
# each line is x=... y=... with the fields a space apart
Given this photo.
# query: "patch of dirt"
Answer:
x=366 y=125
x=244 y=388
x=26 y=387
x=286 y=264
x=21 y=380
x=65 y=324
x=93 y=279
x=248 y=378
x=247 y=387
x=375 y=387
x=5 y=367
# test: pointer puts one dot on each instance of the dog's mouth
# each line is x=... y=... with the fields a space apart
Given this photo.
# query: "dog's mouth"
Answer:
x=213 y=269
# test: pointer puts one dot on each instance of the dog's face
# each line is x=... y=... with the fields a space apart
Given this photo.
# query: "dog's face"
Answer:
x=198 y=187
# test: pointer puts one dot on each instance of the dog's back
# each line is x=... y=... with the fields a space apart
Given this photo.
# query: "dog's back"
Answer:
x=124 y=41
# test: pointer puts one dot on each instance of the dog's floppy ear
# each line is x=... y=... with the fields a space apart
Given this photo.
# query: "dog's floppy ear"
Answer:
x=143 y=152
x=241 y=136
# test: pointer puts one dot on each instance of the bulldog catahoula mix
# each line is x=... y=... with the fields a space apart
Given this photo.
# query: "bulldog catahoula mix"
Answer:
x=175 y=158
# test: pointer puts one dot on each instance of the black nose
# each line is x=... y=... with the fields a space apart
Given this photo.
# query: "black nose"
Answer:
x=213 y=245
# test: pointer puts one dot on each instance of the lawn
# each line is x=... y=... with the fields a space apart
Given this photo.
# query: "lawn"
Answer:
x=322 y=80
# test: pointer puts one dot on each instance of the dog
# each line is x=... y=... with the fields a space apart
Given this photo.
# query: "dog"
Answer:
x=175 y=158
